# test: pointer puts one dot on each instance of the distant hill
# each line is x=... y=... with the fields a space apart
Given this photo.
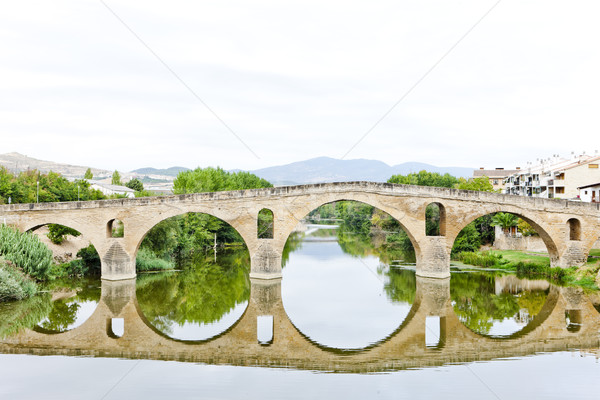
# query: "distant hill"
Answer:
x=16 y=162
x=325 y=169
x=315 y=170
x=173 y=171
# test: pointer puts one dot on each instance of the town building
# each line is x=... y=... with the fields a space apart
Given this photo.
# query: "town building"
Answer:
x=555 y=177
x=108 y=189
x=590 y=193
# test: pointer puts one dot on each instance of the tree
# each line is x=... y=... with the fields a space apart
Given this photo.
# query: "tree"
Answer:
x=481 y=184
x=504 y=220
x=425 y=178
x=116 y=178
x=135 y=184
x=88 y=174
x=58 y=233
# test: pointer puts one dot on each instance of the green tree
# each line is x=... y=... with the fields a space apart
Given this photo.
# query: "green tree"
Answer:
x=425 y=178
x=88 y=174
x=116 y=178
x=481 y=184
x=505 y=220
x=135 y=184
x=58 y=233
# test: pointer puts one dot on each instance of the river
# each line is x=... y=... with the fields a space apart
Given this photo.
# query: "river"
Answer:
x=349 y=319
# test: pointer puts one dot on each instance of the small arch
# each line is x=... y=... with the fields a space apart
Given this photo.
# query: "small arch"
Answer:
x=264 y=329
x=435 y=220
x=264 y=224
x=574 y=229
x=116 y=327
x=115 y=229
x=574 y=320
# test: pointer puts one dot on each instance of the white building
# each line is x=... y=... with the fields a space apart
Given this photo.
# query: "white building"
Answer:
x=590 y=193
x=555 y=177
x=108 y=189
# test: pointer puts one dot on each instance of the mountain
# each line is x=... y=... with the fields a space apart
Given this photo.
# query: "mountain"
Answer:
x=325 y=169
x=320 y=169
x=16 y=162
x=173 y=171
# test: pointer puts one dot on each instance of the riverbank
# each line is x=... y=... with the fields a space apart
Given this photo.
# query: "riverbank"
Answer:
x=535 y=264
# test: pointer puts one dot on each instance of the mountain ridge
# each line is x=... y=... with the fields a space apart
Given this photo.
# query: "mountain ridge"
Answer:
x=314 y=170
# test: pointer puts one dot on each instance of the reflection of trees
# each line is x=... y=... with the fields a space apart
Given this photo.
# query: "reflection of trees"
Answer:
x=64 y=311
x=401 y=285
x=24 y=314
x=293 y=243
x=201 y=293
x=478 y=306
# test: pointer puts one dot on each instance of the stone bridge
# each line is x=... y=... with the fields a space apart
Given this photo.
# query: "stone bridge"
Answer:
x=569 y=229
x=406 y=347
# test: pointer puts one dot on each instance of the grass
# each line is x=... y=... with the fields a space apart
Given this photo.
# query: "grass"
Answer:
x=146 y=260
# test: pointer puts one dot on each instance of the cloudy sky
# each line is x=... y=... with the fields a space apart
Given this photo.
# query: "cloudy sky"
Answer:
x=128 y=84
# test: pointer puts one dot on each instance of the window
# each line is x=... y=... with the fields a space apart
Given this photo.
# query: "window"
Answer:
x=435 y=220
x=264 y=223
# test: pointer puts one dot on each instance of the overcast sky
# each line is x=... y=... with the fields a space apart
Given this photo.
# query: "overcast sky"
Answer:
x=250 y=84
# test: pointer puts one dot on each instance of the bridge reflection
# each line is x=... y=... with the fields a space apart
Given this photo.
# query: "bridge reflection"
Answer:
x=567 y=320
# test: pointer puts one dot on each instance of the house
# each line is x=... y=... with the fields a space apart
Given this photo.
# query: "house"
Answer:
x=590 y=193
x=495 y=176
x=108 y=189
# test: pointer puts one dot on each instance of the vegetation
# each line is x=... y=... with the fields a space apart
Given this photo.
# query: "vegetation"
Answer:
x=23 y=188
x=26 y=252
x=116 y=178
x=14 y=284
x=135 y=184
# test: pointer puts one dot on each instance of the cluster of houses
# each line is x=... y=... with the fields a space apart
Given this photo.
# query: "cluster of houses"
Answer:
x=573 y=178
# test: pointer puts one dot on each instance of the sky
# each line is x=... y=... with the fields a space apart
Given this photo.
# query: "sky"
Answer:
x=237 y=84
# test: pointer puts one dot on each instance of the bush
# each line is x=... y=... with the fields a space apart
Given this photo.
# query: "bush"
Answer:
x=540 y=270
x=14 y=284
x=146 y=260
x=26 y=251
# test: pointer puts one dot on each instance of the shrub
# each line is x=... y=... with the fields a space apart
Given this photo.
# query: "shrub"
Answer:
x=483 y=259
x=26 y=251
x=14 y=284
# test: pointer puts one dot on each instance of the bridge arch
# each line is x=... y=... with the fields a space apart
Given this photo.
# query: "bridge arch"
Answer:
x=409 y=224
x=541 y=229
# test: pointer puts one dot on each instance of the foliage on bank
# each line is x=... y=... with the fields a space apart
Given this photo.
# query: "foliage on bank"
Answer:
x=31 y=186
x=26 y=252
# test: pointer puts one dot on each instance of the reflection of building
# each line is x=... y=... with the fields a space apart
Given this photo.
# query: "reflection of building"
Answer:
x=495 y=176
x=555 y=177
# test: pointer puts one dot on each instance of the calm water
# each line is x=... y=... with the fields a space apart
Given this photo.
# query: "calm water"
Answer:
x=348 y=319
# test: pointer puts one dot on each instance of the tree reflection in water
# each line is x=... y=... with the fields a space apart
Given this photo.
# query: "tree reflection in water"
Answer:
x=200 y=294
x=480 y=307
